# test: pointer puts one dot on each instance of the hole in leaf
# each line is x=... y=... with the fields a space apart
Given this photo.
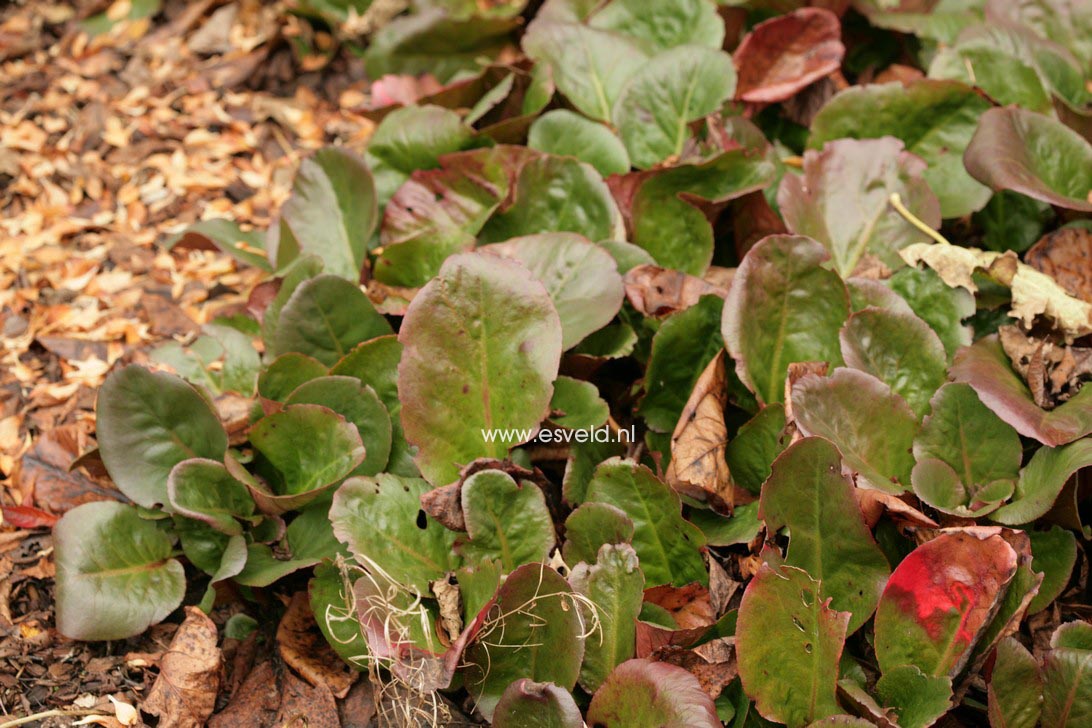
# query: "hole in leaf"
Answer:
x=422 y=522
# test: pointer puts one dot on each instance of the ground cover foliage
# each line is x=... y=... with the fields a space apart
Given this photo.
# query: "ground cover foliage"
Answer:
x=831 y=265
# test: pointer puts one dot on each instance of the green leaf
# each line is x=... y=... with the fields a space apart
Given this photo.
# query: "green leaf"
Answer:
x=648 y=693
x=672 y=89
x=557 y=194
x=286 y=373
x=589 y=66
x=1069 y=24
x=1016 y=689
x=534 y=631
x=1054 y=554
x=783 y=308
x=591 y=526
x=115 y=574
x=360 y=406
x=872 y=426
x=828 y=537
x=581 y=278
x=579 y=405
x=934 y=119
x=986 y=367
x=962 y=432
x=740 y=528
x=1067 y=687
x=939 y=485
x=670 y=378
x=841 y=200
x=204 y=490
x=788 y=643
x=225 y=236
x=935 y=303
x=940 y=21
x=292 y=276
x=1011 y=221
x=666 y=219
x=667 y=545
x=433 y=42
x=994 y=60
x=377 y=519
x=529 y=704
x=415 y=137
x=325 y=318
x=566 y=134
x=752 y=451
x=148 y=422
x=330 y=596
x=1042 y=480
x=438 y=212
x=614 y=584
x=663 y=24
x=505 y=520
x=301 y=451
x=482 y=345
x=263 y=567
x=940 y=599
x=916 y=698
x=1035 y=155
x=900 y=350
x=333 y=210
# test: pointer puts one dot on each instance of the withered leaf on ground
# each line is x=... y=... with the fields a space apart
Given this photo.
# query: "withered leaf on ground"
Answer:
x=184 y=693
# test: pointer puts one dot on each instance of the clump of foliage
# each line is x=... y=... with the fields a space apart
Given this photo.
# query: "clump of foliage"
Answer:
x=854 y=478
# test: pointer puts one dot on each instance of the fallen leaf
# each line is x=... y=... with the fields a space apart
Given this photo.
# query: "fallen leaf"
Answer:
x=656 y=291
x=184 y=693
x=305 y=650
x=1066 y=256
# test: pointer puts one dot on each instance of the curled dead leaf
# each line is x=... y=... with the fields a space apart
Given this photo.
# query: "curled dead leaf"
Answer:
x=656 y=291
x=184 y=693
x=306 y=651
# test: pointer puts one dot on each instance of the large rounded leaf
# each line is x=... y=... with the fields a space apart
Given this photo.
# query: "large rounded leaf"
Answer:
x=581 y=278
x=1042 y=480
x=567 y=134
x=939 y=599
x=333 y=210
x=115 y=574
x=783 y=55
x=360 y=406
x=325 y=318
x=377 y=518
x=204 y=490
x=828 y=538
x=663 y=24
x=505 y=520
x=148 y=422
x=664 y=95
x=534 y=630
x=646 y=693
x=589 y=66
x=935 y=119
x=842 y=200
x=783 y=307
x=482 y=345
x=528 y=704
x=872 y=426
x=1035 y=155
x=1015 y=689
x=789 y=642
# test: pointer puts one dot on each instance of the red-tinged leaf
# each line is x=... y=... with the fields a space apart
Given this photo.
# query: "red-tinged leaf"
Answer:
x=1015 y=689
x=781 y=56
x=643 y=693
x=1067 y=677
x=28 y=517
x=401 y=89
x=527 y=704
x=939 y=600
x=985 y=367
x=789 y=642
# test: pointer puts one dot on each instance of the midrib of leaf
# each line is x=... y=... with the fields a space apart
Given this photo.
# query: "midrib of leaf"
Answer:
x=330 y=330
x=680 y=132
x=126 y=570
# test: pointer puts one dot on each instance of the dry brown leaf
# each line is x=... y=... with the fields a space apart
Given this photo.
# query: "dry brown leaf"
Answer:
x=184 y=693
x=1066 y=256
x=656 y=291
x=698 y=465
x=304 y=649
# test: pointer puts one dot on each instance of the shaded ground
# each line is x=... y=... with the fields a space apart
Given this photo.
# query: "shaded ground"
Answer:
x=107 y=145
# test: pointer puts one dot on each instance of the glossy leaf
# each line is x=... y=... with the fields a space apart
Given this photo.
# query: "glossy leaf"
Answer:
x=872 y=426
x=1054 y=554
x=789 y=642
x=581 y=278
x=505 y=520
x=935 y=119
x=752 y=451
x=1067 y=687
x=939 y=599
x=148 y=422
x=226 y=236
x=325 y=318
x=1033 y=154
x=667 y=545
x=576 y=405
x=935 y=303
x=567 y=134
x=333 y=210
x=783 y=55
x=533 y=632
x=377 y=519
x=644 y=692
x=1042 y=480
x=591 y=526
x=482 y=344
x=842 y=200
x=782 y=308
x=614 y=584
x=916 y=698
x=203 y=489
x=808 y=494
x=361 y=407
x=115 y=574
x=528 y=704
x=672 y=89
x=663 y=24
x=1015 y=689
x=900 y=350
